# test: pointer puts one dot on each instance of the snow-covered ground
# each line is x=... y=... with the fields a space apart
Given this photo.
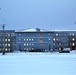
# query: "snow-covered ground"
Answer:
x=38 y=64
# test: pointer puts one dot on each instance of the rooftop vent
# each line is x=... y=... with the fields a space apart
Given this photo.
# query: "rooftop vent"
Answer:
x=37 y=29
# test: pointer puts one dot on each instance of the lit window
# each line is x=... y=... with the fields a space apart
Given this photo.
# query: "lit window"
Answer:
x=9 y=45
x=54 y=39
x=73 y=34
x=49 y=38
x=73 y=39
x=27 y=44
x=24 y=39
x=56 y=34
x=5 y=44
x=27 y=39
x=24 y=44
x=32 y=39
x=6 y=49
x=59 y=48
x=8 y=34
x=73 y=44
x=5 y=39
x=8 y=39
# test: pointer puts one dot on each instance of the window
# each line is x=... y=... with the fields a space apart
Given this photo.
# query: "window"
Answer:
x=73 y=34
x=5 y=44
x=73 y=39
x=27 y=44
x=9 y=49
x=24 y=39
x=32 y=44
x=32 y=39
x=56 y=34
x=73 y=44
x=49 y=39
x=48 y=33
x=6 y=49
x=9 y=45
x=54 y=39
x=54 y=44
x=8 y=34
x=24 y=44
x=5 y=39
x=40 y=34
x=32 y=48
x=19 y=34
x=27 y=39
x=8 y=39
x=40 y=40
x=24 y=48
x=41 y=44
x=19 y=39
x=0 y=49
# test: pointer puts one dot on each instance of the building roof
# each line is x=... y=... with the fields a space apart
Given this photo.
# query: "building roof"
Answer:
x=42 y=30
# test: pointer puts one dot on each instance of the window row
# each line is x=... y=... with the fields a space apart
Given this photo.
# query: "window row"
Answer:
x=5 y=40
x=5 y=45
x=40 y=40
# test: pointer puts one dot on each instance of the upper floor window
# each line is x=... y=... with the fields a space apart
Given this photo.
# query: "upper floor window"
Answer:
x=49 y=39
x=56 y=34
x=19 y=34
x=8 y=34
x=40 y=40
x=8 y=39
x=40 y=34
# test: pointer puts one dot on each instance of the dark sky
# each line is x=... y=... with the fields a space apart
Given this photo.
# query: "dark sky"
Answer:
x=44 y=14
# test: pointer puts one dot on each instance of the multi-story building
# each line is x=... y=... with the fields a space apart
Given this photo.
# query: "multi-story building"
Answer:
x=36 y=39
x=7 y=40
x=27 y=40
x=66 y=39
x=33 y=40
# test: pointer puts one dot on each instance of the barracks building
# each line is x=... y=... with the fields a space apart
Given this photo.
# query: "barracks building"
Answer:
x=37 y=40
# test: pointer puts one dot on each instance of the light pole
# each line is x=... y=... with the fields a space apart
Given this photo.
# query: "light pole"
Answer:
x=3 y=27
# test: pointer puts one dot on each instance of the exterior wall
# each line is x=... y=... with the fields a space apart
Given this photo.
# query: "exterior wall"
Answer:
x=34 y=40
x=66 y=39
x=44 y=40
x=8 y=39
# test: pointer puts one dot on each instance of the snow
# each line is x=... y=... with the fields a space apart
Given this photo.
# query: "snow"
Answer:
x=38 y=63
x=31 y=30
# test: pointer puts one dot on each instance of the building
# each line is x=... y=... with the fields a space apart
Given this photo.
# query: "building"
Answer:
x=7 y=40
x=66 y=39
x=37 y=40
x=33 y=39
x=28 y=40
